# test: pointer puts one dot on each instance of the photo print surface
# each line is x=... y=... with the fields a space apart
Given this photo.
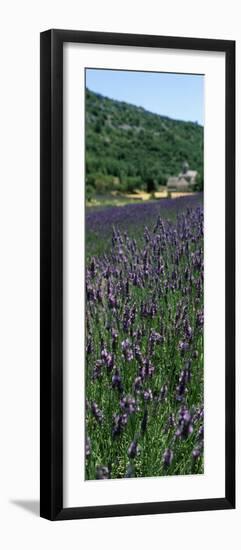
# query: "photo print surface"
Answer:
x=144 y=272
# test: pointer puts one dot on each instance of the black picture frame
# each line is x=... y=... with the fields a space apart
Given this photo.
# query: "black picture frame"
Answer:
x=51 y=322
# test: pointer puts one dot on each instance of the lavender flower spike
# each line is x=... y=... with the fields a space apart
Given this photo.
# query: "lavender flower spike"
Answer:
x=167 y=458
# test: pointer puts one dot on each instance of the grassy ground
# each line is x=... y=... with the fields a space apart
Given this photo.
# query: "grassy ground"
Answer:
x=121 y=199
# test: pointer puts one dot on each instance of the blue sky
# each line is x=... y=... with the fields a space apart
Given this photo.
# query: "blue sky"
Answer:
x=178 y=96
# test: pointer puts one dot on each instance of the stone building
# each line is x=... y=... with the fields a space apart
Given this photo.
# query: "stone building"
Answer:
x=184 y=181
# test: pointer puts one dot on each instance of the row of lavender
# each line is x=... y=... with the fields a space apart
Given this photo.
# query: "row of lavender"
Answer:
x=144 y=352
x=131 y=218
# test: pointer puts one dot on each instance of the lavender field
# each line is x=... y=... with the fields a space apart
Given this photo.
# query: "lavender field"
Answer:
x=144 y=339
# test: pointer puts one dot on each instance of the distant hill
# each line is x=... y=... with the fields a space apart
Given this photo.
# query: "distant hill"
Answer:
x=128 y=147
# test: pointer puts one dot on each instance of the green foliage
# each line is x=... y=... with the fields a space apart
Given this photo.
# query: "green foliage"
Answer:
x=127 y=143
x=89 y=192
x=199 y=183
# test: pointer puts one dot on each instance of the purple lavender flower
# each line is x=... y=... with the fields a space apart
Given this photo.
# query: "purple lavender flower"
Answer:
x=180 y=391
x=196 y=453
x=128 y=404
x=188 y=331
x=97 y=372
x=87 y=447
x=107 y=359
x=112 y=300
x=147 y=395
x=127 y=351
x=167 y=457
x=116 y=381
x=137 y=386
x=155 y=337
x=183 y=346
x=119 y=423
x=147 y=370
x=185 y=425
x=97 y=413
x=184 y=378
x=200 y=319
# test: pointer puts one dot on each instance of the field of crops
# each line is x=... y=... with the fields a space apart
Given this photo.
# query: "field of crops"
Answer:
x=144 y=340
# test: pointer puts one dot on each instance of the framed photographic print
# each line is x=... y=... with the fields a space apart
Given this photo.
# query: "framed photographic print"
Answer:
x=137 y=274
